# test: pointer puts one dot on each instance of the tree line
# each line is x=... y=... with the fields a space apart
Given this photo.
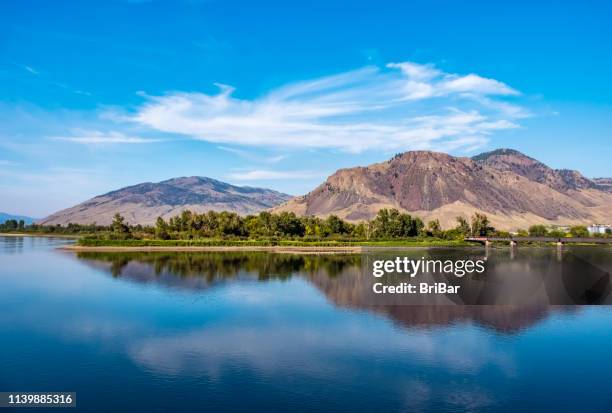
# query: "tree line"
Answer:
x=387 y=224
x=578 y=231
x=12 y=225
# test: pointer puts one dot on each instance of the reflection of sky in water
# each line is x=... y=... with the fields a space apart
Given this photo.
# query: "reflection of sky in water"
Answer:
x=277 y=344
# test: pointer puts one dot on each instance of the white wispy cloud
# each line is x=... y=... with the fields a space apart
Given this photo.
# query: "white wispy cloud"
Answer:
x=262 y=174
x=103 y=138
x=240 y=152
x=401 y=106
x=252 y=156
x=425 y=81
x=276 y=159
x=70 y=88
x=31 y=69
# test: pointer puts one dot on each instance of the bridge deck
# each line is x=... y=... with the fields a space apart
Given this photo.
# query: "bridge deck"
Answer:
x=592 y=240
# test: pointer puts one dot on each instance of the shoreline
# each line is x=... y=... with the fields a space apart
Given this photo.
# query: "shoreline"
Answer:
x=307 y=249
x=254 y=248
x=297 y=249
x=25 y=234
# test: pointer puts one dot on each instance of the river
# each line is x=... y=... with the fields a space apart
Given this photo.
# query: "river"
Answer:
x=283 y=332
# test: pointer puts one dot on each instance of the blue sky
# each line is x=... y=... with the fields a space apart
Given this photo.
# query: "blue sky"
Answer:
x=96 y=96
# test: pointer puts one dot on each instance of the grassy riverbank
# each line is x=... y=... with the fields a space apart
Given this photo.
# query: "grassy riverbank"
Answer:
x=212 y=242
x=91 y=242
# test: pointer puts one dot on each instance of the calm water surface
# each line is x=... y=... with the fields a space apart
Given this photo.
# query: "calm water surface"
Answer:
x=277 y=332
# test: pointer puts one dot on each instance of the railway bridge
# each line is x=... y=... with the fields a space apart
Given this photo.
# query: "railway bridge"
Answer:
x=559 y=241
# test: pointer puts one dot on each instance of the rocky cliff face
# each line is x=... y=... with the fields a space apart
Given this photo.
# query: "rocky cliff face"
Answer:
x=563 y=180
x=604 y=183
x=143 y=203
x=513 y=189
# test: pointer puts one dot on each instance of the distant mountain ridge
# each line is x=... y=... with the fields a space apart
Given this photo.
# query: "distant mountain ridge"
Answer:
x=5 y=217
x=605 y=183
x=513 y=189
x=143 y=203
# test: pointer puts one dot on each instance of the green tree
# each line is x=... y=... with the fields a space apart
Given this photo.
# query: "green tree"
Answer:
x=265 y=224
x=312 y=226
x=463 y=227
x=229 y=223
x=411 y=226
x=480 y=225
x=287 y=223
x=390 y=223
x=359 y=231
x=161 y=229
x=186 y=220
x=556 y=233
x=537 y=231
x=118 y=225
x=11 y=224
x=579 y=231
x=380 y=224
x=335 y=225
x=434 y=227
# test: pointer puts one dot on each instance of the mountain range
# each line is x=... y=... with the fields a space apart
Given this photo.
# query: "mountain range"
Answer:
x=5 y=217
x=513 y=189
x=143 y=203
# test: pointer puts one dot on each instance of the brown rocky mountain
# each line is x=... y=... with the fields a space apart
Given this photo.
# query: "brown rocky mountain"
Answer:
x=605 y=183
x=563 y=180
x=514 y=190
x=143 y=203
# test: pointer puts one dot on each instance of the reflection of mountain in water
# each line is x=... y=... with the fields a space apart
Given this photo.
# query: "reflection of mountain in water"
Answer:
x=503 y=318
x=345 y=280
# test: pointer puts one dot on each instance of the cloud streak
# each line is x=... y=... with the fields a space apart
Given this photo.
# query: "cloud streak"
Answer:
x=31 y=69
x=252 y=157
x=101 y=138
x=399 y=107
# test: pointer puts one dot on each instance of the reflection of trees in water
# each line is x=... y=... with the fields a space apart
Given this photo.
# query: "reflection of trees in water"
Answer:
x=218 y=266
x=339 y=277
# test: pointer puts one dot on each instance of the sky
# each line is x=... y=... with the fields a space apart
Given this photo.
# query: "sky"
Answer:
x=95 y=96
